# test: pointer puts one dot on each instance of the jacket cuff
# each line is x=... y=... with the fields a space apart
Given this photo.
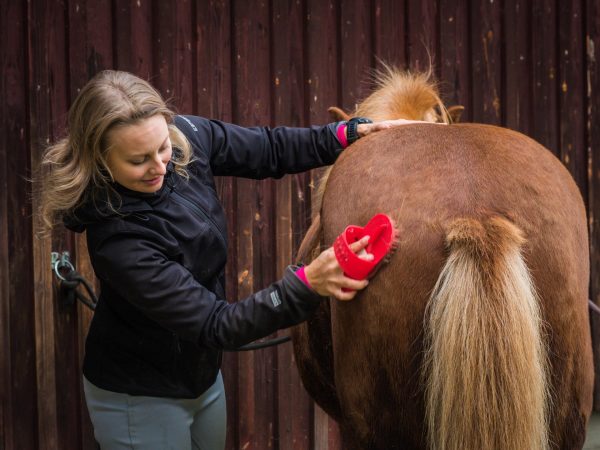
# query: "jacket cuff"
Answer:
x=297 y=288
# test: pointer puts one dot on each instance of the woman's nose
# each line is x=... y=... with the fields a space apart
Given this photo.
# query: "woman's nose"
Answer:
x=158 y=166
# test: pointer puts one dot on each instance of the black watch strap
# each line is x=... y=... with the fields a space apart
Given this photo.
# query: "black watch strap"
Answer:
x=351 y=133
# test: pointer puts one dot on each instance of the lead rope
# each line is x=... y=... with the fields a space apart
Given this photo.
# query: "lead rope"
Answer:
x=70 y=280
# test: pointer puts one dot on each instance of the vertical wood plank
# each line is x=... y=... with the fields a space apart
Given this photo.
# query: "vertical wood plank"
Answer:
x=423 y=30
x=356 y=51
x=592 y=27
x=544 y=42
x=517 y=65
x=389 y=32
x=293 y=404
x=173 y=60
x=323 y=83
x=47 y=104
x=90 y=41
x=15 y=392
x=213 y=19
x=251 y=66
x=486 y=62
x=455 y=56
x=133 y=33
x=572 y=91
x=322 y=61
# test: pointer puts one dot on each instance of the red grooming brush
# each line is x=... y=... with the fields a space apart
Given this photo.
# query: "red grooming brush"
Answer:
x=383 y=239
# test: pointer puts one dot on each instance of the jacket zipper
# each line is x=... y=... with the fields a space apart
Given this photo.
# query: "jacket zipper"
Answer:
x=200 y=212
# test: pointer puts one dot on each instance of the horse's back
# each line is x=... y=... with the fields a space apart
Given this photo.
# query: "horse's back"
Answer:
x=425 y=177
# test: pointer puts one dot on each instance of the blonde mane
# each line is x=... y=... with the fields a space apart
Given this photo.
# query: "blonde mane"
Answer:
x=403 y=95
x=398 y=94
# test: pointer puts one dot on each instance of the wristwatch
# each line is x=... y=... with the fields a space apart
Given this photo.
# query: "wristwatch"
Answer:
x=351 y=133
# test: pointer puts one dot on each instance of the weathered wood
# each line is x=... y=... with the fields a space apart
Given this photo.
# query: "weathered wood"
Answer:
x=173 y=58
x=355 y=51
x=323 y=90
x=455 y=57
x=251 y=29
x=423 y=41
x=545 y=74
x=133 y=32
x=572 y=91
x=288 y=90
x=389 y=32
x=592 y=27
x=17 y=376
x=517 y=65
x=486 y=62
x=47 y=102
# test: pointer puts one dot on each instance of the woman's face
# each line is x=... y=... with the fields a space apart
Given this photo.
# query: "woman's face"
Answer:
x=139 y=154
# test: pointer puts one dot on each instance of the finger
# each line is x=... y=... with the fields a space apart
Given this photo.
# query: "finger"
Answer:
x=366 y=256
x=360 y=244
x=344 y=295
x=354 y=285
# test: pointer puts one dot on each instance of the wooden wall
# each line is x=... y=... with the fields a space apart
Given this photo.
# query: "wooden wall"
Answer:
x=530 y=65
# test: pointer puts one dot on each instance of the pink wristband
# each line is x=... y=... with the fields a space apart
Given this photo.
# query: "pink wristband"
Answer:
x=300 y=274
x=341 y=134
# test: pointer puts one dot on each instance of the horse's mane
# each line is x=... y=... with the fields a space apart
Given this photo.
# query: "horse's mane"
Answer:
x=400 y=94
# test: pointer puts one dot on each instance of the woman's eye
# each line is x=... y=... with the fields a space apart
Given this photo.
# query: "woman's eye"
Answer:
x=137 y=163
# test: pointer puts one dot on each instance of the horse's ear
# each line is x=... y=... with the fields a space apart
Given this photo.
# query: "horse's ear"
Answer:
x=337 y=114
x=455 y=112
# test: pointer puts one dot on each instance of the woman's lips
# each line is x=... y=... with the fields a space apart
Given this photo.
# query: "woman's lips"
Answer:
x=153 y=181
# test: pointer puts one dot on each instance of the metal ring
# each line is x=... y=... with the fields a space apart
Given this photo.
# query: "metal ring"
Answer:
x=62 y=263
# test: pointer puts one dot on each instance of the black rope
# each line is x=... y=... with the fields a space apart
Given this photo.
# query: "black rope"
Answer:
x=261 y=344
x=69 y=287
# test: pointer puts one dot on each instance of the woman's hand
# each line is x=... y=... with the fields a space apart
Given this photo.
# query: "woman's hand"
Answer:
x=327 y=278
x=364 y=129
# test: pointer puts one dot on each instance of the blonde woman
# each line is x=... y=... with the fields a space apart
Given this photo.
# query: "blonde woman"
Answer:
x=139 y=181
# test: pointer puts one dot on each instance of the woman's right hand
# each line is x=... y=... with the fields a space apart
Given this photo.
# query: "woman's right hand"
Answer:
x=327 y=278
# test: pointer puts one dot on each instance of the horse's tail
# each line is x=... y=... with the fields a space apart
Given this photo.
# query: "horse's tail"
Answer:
x=485 y=358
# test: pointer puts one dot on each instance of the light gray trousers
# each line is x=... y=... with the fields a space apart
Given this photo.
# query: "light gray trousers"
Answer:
x=132 y=422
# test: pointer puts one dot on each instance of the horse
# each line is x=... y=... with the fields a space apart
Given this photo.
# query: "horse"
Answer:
x=475 y=334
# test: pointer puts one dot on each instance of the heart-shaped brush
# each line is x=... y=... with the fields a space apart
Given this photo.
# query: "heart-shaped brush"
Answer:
x=383 y=239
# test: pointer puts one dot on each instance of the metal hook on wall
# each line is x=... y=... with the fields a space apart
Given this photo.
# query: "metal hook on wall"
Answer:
x=71 y=281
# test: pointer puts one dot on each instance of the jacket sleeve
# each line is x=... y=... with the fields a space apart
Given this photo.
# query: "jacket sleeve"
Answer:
x=260 y=152
x=168 y=294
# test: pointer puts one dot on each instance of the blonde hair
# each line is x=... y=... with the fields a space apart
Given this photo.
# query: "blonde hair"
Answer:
x=74 y=170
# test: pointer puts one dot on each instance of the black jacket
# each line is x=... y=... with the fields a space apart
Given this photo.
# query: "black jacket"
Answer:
x=161 y=321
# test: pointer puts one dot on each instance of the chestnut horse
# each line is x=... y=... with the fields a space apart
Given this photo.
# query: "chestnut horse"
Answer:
x=475 y=335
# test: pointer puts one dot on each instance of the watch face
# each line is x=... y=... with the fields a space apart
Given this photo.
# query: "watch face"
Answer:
x=361 y=120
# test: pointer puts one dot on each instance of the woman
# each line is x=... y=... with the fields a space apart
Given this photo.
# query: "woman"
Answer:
x=139 y=180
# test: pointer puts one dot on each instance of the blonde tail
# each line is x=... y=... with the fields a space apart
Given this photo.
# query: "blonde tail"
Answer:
x=485 y=356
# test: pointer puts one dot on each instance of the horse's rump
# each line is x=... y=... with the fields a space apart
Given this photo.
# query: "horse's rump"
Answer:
x=426 y=177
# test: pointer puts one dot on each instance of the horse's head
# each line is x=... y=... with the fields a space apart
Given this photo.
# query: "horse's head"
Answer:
x=402 y=95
